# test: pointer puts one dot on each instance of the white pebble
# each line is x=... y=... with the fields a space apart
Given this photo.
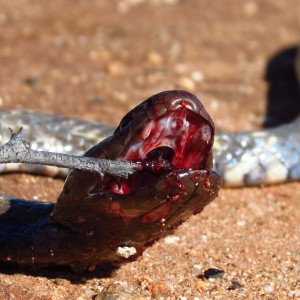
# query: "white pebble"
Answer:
x=171 y=239
x=126 y=251
x=241 y=223
x=186 y=83
x=198 y=266
x=269 y=288
x=197 y=76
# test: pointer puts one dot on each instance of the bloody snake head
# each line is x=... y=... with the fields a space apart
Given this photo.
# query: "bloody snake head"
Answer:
x=171 y=136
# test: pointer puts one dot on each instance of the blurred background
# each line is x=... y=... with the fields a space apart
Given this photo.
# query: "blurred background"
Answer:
x=97 y=59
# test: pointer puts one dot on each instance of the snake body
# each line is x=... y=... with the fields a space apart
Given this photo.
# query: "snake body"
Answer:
x=247 y=158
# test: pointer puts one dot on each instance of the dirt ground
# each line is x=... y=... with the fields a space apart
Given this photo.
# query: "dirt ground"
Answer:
x=97 y=59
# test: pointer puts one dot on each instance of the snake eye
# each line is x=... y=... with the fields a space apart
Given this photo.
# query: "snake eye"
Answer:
x=125 y=122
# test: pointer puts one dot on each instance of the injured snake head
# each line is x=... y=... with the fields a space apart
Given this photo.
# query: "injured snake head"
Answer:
x=171 y=136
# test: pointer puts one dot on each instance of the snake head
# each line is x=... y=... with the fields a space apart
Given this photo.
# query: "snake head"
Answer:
x=171 y=136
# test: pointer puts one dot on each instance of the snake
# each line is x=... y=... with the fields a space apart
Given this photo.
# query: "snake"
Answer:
x=102 y=219
x=99 y=220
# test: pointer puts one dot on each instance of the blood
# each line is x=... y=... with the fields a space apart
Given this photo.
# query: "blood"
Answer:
x=180 y=139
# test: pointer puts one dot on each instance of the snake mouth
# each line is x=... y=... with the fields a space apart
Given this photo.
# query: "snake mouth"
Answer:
x=176 y=139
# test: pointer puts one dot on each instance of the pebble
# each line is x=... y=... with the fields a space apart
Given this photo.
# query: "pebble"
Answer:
x=96 y=101
x=58 y=40
x=158 y=289
x=269 y=288
x=155 y=58
x=241 y=223
x=31 y=80
x=192 y=253
x=235 y=285
x=171 y=239
x=144 y=281
x=126 y=252
x=197 y=76
x=116 y=68
x=201 y=285
x=3 y=18
x=213 y=273
x=180 y=68
x=214 y=104
x=125 y=5
x=250 y=9
x=115 y=291
x=186 y=83
x=120 y=96
x=294 y=293
x=100 y=55
x=198 y=266
x=204 y=238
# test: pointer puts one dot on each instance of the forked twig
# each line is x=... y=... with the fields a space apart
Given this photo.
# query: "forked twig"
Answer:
x=17 y=150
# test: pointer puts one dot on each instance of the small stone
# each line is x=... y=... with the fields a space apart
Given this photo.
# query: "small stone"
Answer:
x=235 y=285
x=269 y=288
x=31 y=80
x=241 y=223
x=297 y=267
x=4 y=204
x=75 y=79
x=144 y=280
x=180 y=68
x=3 y=18
x=155 y=58
x=90 y=292
x=201 y=285
x=171 y=239
x=186 y=83
x=197 y=76
x=159 y=289
x=214 y=104
x=120 y=96
x=250 y=8
x=294 y=293
x=198 y=266
x=101 y=54
x=192 y=253
x=96 y=101
x=126 y=251
x=116 y=291
x=171 y=2
x=122 y=7
x=213 y=273
x=58 y=40
x=116 y=68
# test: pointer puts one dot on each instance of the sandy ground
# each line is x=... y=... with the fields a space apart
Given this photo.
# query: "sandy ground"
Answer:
x=97 y=59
